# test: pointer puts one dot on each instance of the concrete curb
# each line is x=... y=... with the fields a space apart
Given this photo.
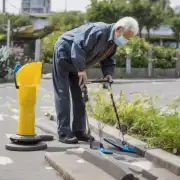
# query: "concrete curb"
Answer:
x=128 y=81
x=156 y=155
x=3 y=81
x=52 y=162
x=77 y=169
x=118 y=170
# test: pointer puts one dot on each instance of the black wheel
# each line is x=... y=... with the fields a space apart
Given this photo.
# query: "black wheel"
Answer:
x=124 y=143
x=31 y=147
x=46 y=137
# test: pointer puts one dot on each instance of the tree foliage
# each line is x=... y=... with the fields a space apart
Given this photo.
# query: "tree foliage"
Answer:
x=106 y=10
x=17 y=21
x=66 y=20
x=149 y=14
x=175 y=26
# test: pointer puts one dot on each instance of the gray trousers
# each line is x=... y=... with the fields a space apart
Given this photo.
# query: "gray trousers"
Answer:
x=65 y=78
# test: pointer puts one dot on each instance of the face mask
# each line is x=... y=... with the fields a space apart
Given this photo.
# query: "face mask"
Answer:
x=121 y=40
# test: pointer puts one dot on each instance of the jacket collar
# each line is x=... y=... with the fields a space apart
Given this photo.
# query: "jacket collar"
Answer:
x=111 y=29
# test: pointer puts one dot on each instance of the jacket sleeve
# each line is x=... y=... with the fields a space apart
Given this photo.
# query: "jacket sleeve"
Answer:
x=83 y=42
x=108 y=65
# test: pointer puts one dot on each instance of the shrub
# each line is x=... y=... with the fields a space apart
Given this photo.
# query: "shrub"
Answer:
x=138 y=49
x=48 y=45
x=140 y=117
x=164 y=57
x=8 y=59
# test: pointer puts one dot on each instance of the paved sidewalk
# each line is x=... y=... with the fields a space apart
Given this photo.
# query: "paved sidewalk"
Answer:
x=144 y=169
x=146 y=166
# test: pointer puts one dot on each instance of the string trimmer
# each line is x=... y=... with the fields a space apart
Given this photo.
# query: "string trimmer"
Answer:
x=101 y=147
x=123 y=146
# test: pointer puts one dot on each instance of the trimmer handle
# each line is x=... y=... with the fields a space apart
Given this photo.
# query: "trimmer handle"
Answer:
x=85 y=94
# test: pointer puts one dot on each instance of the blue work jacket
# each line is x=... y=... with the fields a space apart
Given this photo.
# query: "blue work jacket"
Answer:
x=90 y=44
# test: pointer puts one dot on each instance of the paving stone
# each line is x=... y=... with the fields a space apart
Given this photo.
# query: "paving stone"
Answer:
x=157 y=156
x=149 y=175
x=160 y=173
x=118 y=159
x=71 y=167
x=164 y=159
x=117 y=169
x=144 y=164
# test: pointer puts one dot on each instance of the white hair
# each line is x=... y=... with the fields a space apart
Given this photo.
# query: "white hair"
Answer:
x=128 y=23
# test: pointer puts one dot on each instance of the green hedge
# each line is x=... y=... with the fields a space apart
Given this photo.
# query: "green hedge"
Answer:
x=142 y=52
x=48 y=46
x=140 y=117
x=137 y=48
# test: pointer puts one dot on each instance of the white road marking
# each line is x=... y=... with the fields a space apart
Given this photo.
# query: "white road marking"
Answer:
x=15 y=110
x=39 y=119
x=1 y=117
x=80 y=161
x=157 y=82
x=5 y=160
x=9 y=87
x=49 y=168
x=8 y=135
x=48 y=96
x=46 y=107
x=43 y=89
x=11 y=99
x=15 y=117
x=4 y=105
x=143 y=164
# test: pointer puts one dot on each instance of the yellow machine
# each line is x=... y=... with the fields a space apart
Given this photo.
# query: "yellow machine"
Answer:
x=27 y=81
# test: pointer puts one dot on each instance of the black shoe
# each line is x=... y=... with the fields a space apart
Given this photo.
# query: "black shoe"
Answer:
x=68 y=138
x=81 y=136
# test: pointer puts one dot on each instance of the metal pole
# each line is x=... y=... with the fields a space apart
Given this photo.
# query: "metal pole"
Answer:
x=65 y=6
x=8 y=33
x=4 y=6
x=8 y=45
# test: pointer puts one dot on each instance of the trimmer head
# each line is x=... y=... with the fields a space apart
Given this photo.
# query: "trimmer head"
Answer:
x=121 y=146
x=103 y=150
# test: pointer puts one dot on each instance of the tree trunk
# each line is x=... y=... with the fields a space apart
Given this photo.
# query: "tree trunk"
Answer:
x=177 y=44
x=148 y=34
x=140 y=32
x=177 y=41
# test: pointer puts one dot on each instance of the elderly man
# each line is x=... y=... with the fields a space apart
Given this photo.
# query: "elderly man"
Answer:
x=76 y=51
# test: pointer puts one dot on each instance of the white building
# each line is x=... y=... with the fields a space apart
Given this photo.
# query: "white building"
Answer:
x=177 y=9
x=36 y=6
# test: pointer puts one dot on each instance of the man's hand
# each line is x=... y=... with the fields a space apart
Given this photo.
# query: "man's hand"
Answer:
x=82 y=78
x=109 y=78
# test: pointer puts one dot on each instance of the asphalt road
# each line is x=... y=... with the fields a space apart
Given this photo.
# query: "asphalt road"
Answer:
x=31 y=165
x=166 y=91
x=19 y=165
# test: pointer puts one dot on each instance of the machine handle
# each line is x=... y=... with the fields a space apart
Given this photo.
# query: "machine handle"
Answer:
x=100 y=81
